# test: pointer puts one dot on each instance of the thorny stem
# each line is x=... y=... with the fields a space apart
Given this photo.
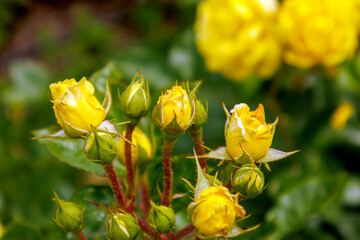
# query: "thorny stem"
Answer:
x=114 y=182
x=145 y=227
x=166 y=197
x=144 y=196
x=184 y=232
x=80 y=235
x=196 y=134
x=129 y=165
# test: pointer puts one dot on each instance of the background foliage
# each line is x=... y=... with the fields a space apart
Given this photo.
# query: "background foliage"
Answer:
x=314 y=194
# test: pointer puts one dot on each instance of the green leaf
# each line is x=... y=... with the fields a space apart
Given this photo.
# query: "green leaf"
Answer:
x=69 y=150
x=295 y=207
x=30 y=83
x=275 y=155
x=18 y=230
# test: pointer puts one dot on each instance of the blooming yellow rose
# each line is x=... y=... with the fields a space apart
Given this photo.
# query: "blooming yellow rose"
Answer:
x=215 y=211
x=141 y=148
x=238 y=37
x=247 y=131
x=75 y=106
x=318 y=31
x=174 y=104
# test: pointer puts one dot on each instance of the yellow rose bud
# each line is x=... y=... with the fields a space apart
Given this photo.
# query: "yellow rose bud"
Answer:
x=215 y=212
x=318 y=32
x=75 y=106
x=238 y=38
x=247 y=131
x=341 y=115
x=173 y=112
x=141 y=149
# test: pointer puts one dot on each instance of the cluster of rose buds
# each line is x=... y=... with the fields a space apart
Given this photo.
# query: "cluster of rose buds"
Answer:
x=215 y=210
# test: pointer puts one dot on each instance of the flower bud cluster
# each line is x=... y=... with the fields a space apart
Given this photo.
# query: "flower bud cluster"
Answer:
x=215 y=209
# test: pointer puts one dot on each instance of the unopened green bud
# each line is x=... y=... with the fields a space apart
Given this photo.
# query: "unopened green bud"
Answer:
x=121 y=226
x=248 y=181
x=135 y=100
x=100 y=147
x=161 y=218
x=68 y=215
x=201 y=114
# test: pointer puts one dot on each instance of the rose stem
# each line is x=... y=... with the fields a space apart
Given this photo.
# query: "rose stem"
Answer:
x=80 y=235
x=145 y=227
x=114 y=182
x=166 y=197
x=197 y=135
x=144 y=196
x=184 y=232
x=129 y=165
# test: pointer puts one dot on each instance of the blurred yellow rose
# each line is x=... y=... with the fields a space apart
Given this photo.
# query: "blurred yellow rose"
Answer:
x=215 y=211
x=75 y=106
x=318 y=31
x=238 y=38
x=341 y=115
x=247 y=131
x=174 y=104
x=142 y=148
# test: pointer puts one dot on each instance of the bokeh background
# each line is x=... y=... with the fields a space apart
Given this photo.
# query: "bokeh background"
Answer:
x=314 y=194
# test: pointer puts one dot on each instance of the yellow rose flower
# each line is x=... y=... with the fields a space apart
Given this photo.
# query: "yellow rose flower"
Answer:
x=238 y=37
x=76 y=107
x=318 y=31
x=215 y=211
x=341 y=115
x=174 y=104
x=247 y=131
x=142 y=147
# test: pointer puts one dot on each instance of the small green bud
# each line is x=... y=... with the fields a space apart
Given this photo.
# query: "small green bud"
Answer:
x=121 y=226
x=68 y=215
x=201 y=114
x=100 y=147
x=135 y=100
x=161 y=218
x=248 y=181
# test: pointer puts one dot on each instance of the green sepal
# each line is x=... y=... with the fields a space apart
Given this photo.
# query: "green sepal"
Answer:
x=237 y=231
x=274 y=155
x=202 y=182
x=220 y=153
x=108 y=99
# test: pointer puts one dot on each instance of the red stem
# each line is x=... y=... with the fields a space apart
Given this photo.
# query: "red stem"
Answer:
x=129 y=165
x=114 y=182
x=166 y=197
x=80 y=235
x=145 y=227
x=196 y=135
x=184 y=232
x=144 y=196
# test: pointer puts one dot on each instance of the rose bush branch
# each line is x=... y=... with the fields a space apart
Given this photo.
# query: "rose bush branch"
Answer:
x=129 y=165
x=80 y=235
x=114 y=183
